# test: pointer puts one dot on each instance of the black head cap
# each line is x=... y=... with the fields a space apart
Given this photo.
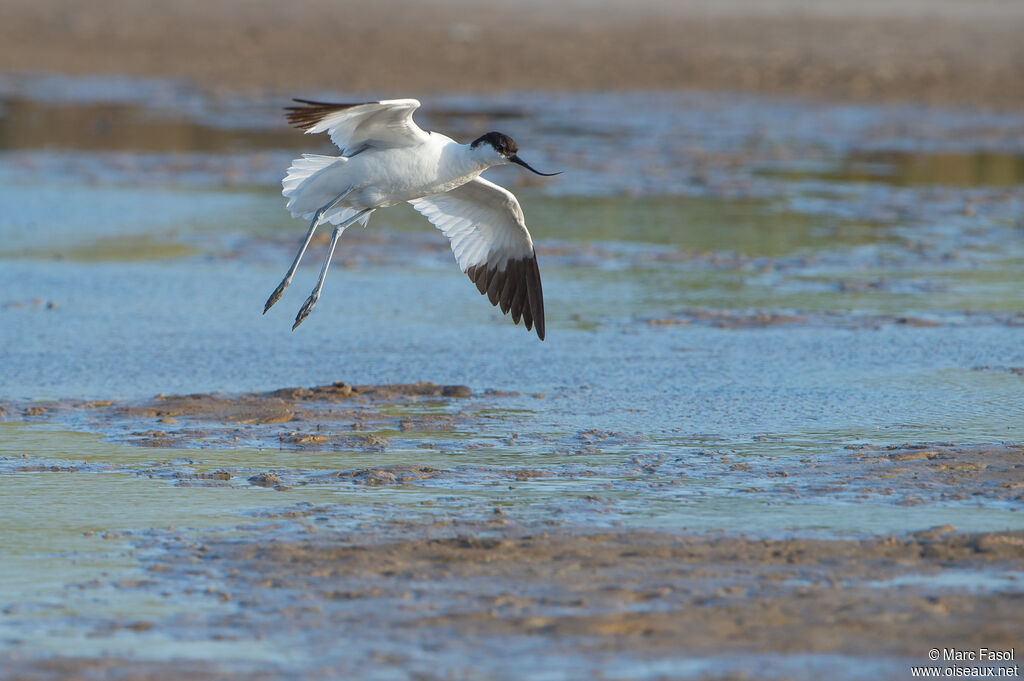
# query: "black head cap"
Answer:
x=503 y=144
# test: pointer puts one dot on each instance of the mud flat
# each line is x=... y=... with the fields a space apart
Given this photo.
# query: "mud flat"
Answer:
x=204 y=419
x=383 y=531
x=502 y=601
x=939 y=52
x=431 y=436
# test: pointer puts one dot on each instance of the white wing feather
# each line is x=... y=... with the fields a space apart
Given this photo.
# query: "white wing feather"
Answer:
x=354 y=127
x=483 y=221
x=490 y=241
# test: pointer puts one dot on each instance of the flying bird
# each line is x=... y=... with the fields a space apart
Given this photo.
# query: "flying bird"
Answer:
x=387 y=159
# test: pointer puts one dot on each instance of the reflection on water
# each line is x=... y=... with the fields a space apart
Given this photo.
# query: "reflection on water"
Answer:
x=87 y=126
x=907 y=169
x=699 y=224
x=109 y=249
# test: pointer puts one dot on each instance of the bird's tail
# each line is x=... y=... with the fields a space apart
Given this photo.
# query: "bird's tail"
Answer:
x=312 y=182
x=301 y=170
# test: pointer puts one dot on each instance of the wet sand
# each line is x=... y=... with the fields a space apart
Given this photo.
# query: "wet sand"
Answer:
x=490 y=592
x=499 y=601
x=383 y=419
x=952 y=52
x=638 y=592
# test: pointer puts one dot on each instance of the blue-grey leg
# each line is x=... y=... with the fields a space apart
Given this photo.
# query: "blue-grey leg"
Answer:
x=276 y=295
x=307 y=307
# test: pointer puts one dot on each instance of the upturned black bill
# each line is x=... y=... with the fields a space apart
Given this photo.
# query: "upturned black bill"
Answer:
x=516 y=159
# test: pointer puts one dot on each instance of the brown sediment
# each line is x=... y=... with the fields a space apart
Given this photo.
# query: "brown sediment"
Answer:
x=17 y=668
x=322 y=417
x=1013 y=371
x=467 y=583
x=378 y=419
x=278 y=406
x=756 y=319
x=907 y=474
x=730 y=319
x=930 y=472
x=654 y=595
x=954 y=51
x=390 y=475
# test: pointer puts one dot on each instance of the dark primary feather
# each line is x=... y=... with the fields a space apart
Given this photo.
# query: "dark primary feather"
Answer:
x=515 y=289
x=305 y=117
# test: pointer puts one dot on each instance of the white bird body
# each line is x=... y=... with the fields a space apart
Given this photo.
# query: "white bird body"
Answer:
x=387 y=159
x=382 y=178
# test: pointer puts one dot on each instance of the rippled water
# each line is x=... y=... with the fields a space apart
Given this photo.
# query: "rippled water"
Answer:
x=725 y=275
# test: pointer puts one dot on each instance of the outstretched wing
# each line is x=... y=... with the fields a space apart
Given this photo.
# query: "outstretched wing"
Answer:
x=355 y=127
x=488 y=234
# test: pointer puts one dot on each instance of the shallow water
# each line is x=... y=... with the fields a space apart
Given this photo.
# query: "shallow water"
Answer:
x=729 y=280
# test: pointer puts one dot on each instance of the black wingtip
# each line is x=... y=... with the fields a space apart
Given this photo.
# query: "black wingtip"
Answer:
x=516 y=289
x=305 y=117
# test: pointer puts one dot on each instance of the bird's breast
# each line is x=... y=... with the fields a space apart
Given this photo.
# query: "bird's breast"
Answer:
x=393 y=176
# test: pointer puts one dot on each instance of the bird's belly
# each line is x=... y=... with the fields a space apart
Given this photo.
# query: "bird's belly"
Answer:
x=390 y=179
x=381 y=195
